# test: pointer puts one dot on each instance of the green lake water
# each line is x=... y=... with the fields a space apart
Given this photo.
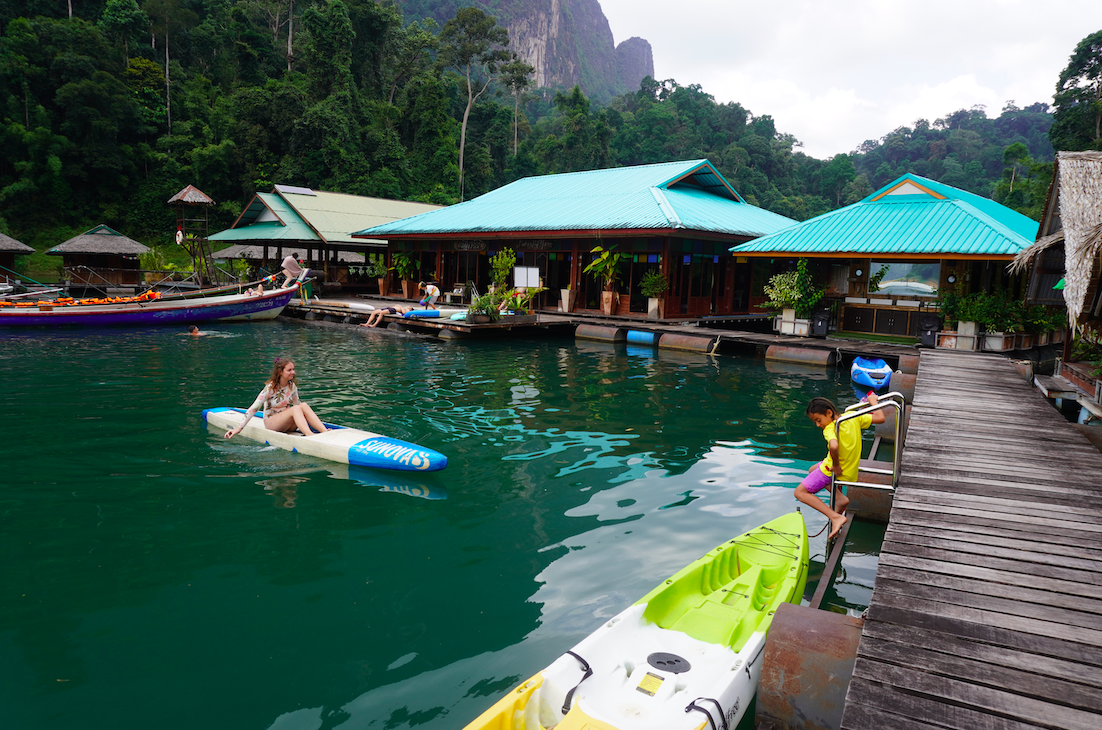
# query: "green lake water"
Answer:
x=157 y=576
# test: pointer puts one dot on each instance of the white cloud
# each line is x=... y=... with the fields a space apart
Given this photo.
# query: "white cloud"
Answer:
x=835 y=74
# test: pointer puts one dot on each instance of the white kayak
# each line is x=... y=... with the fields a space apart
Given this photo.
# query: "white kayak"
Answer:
x=687 y=656
x=340 y=444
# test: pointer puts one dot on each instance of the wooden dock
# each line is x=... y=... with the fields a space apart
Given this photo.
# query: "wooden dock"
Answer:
x=987 y=608
x=338 y=309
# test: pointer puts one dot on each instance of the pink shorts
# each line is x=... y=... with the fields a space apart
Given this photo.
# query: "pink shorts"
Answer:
x=816 y=479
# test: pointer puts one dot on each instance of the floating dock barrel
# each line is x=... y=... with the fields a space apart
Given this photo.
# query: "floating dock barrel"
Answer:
x=601 y=334
x=687 y=342
x=804 y=355
x=637 y=337
x=806 y=668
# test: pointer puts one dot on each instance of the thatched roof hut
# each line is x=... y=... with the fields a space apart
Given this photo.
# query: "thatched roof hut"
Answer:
x=191 y=195
x=10 y=245
x=99 y=240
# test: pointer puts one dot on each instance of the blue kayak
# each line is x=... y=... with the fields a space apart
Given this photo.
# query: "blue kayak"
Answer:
x=871 y=373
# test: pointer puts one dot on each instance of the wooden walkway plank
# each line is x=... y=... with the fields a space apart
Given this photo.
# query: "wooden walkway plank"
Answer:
x=1071 y=514
x=980 y=651
x=991 y=538
x=873 y=703
x=1057 y=587
x=1095 y=529
x=1005 y=552
x=978 y=697
x=989 y=602
x=1023 y=530
x=987 y=607
x=1014 y=679
x=1027 y=571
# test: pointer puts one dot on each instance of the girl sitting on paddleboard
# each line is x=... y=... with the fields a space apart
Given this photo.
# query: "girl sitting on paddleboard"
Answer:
x=282 y=409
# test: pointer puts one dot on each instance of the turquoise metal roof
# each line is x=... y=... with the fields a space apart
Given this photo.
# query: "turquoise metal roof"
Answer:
x=669 y=196
x=278 y=222
x=909 y=216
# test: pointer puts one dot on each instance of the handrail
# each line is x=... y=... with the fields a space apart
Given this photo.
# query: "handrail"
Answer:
x=894 y=400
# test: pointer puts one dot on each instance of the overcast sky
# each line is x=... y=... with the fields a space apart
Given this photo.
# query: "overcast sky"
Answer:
x=835 y=73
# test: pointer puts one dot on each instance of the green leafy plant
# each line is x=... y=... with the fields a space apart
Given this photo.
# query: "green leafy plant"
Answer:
x=488 y=304
x=793 y=290
x=502 y=264
x=653 y=284
x=376 y=269
x=606 y=267
x=406 y=266
x=523 y=300
x=949 y=306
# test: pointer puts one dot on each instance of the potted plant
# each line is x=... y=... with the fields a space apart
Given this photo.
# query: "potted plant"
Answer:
x=1001 y=319
x=606 y=267
x=484 y=309
x=501 y=265
x=567 y=298
x=795 y=294
x=406 y=266
x=1058 y=325
x=523 y=299
x=377 y=269
x=961 y=314
x=653 y=285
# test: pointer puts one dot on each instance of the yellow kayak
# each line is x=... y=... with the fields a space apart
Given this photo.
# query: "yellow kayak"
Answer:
x=686 y=656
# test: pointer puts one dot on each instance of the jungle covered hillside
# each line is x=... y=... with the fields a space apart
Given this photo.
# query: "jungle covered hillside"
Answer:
x=106 y=114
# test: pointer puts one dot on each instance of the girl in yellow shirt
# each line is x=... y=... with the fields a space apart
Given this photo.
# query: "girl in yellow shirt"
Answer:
x=844 y=455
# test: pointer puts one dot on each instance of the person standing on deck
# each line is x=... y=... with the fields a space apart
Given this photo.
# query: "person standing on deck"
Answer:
x=291 y=269
x=843 y=458
x=432 y=293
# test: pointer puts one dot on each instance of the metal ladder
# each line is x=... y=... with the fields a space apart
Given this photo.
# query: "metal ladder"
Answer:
x=894 y=400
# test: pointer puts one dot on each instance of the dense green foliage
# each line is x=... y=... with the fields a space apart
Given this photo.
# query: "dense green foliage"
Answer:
x=358 y=100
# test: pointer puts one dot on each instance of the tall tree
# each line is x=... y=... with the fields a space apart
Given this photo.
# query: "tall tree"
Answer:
x=1077 y=122
x=123 y=20
x=517 y=77
x=168 y=17
x=473 y=45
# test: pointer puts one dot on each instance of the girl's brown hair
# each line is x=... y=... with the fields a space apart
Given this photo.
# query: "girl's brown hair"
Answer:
x=822 y=406
x=277 y=369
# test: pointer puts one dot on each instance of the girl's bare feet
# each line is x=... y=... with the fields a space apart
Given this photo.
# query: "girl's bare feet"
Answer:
x=836 y=524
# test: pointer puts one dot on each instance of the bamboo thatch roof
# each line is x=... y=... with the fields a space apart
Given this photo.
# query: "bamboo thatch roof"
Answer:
x=192 y=196
x=1080 y=202
x=1022 y=261
x=7 y=243
x=101 y=239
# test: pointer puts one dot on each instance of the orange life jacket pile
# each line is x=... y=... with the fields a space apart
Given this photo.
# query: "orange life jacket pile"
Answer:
x=146 y=296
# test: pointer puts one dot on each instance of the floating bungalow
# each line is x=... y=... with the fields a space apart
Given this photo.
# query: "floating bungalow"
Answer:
x=884 y=259
x=678 y=217
x=316 y=224
x=101 y=259
x=9 y=249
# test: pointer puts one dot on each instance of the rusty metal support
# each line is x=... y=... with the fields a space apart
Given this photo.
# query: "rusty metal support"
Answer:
x=806 y=669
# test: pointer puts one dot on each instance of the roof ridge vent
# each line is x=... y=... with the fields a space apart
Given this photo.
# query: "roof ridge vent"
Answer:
x=295 y=190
